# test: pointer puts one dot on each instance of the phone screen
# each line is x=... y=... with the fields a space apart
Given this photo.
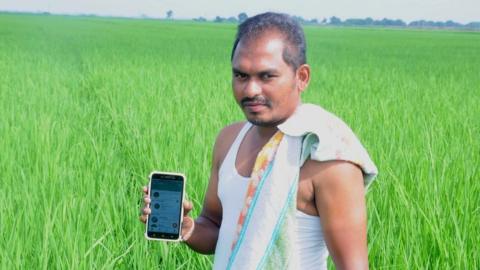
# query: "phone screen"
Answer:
x=166 y=193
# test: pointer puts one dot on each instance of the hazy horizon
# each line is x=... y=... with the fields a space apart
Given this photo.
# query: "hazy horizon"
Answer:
x=462 y=11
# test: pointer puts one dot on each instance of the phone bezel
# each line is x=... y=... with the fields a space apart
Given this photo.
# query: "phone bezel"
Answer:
x=150 y=177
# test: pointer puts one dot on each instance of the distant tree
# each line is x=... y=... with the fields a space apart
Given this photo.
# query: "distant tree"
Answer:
x=430 y=24
x=300 y=19
x=350 y=22
x=169 y=14
x=219 y=19
x=420 y=23
x=385 y=22
x=452 y=24
x=440 y=24
x=242 y=17
x=473 y=25
x=399 y=22
x=335 y=21
x=231 y=19
x=389 y=22
x=200 y=19
x=324 y=21
x=314 y=21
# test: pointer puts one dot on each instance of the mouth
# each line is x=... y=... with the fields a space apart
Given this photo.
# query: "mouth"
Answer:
x=254 y=106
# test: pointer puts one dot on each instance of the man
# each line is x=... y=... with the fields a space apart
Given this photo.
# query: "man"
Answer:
x=269 y=74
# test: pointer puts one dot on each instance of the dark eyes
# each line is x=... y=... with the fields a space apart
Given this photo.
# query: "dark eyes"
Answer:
x=266 y=76
x=262 y=76
x=239 y=75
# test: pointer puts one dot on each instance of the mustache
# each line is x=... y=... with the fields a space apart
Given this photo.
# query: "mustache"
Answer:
x=255 y=100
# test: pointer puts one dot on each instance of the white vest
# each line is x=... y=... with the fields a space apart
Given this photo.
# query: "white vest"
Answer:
x=232 y=187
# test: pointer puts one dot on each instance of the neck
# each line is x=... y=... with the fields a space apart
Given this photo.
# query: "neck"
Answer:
x=265 y=133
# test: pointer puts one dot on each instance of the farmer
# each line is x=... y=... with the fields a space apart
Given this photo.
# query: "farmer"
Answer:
x=287 y=186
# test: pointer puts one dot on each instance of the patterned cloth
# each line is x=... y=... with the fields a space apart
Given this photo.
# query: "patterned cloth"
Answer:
x=263 y=165
x=266 y=225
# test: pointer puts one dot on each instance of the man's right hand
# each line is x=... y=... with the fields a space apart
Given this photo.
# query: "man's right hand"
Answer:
x=145 y=211
x=188 y=223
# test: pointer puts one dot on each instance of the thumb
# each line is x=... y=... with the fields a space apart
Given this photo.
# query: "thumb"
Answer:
x=188 y=225
x=187 y=207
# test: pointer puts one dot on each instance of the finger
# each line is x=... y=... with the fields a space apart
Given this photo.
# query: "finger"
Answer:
x=188 y=226
x=146 y=211
x=145 y=190
x=187 y=223
x=147 y=199
x=187 y=206
x=143 y=218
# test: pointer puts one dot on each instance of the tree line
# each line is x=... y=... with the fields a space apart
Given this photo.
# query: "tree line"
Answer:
x=332 y=21
x=366 y=22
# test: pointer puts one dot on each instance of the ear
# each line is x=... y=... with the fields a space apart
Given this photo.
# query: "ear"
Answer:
x=303 y=77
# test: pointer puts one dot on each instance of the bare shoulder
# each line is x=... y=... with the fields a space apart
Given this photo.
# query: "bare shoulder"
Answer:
x=331 y=175
x=224 y=140
x=340 y=203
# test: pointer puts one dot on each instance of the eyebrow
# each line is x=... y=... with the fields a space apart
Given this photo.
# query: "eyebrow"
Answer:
x=266 y=71
x=234 y=70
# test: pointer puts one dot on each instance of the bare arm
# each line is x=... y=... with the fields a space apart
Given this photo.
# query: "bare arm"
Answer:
x=340 y=202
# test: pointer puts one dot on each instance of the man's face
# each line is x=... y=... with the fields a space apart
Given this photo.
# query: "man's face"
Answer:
x=264 y=85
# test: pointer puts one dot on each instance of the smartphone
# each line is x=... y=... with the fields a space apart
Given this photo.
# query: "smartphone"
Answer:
x=166 y=192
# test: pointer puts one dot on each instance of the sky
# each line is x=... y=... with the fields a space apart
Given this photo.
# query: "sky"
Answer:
x=462 y=11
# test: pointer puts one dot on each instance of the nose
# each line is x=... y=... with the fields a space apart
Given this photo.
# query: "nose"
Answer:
x=252 y=88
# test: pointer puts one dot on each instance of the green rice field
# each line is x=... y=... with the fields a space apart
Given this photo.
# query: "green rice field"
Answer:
x=89 y=106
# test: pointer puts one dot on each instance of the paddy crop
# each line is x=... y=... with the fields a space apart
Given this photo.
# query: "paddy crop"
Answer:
x=89 y=106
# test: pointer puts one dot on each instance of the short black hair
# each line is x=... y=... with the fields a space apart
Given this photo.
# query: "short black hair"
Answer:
x=294 y=53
